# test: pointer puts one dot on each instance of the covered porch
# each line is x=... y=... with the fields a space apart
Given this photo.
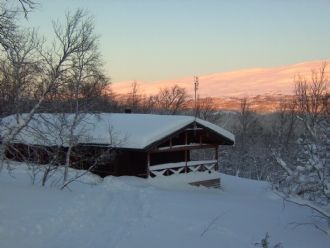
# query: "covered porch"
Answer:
x=194 y=151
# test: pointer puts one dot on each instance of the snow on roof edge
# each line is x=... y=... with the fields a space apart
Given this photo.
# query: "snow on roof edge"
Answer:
x=221 y=131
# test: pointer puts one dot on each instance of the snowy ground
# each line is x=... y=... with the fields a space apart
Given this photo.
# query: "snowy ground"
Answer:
x=132 y=212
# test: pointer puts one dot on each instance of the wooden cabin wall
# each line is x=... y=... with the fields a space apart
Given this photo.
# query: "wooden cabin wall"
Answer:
x=193 y=137
x=97 y=159
x=16 y=152
x=168 y=157
x=116 y=162
x=131 y=163
x=36 y=154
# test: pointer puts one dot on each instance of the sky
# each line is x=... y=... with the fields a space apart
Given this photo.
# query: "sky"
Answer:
x=153 y=40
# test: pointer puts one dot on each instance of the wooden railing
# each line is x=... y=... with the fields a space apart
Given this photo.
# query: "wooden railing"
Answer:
x=183 y=167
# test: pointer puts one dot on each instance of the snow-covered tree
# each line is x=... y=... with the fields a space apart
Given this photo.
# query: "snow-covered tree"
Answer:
x=307 y=171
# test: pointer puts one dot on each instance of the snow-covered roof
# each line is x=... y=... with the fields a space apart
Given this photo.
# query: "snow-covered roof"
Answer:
x=134 y=131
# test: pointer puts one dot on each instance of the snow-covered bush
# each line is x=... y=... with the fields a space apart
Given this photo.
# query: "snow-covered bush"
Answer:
x=307 y=176
x=265 y=243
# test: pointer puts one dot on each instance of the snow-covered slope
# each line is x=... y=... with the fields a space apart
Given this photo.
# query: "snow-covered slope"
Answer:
x=132 y=212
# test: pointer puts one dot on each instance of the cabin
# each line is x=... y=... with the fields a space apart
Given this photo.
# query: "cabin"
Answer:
x=143 y=145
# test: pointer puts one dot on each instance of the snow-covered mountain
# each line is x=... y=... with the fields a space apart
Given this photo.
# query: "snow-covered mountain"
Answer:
x=248 y=82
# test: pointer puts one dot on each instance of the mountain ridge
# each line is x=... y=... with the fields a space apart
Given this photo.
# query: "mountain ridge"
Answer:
x=238 y=83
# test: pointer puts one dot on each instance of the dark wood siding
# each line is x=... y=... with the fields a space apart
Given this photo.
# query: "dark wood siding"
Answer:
x=105 y=161
x=36 y=154
x=117 y=162
x=130 y=163
x=167 y=157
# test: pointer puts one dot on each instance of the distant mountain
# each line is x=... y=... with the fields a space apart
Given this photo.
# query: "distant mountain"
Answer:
x=248 y=82
x=260 y=103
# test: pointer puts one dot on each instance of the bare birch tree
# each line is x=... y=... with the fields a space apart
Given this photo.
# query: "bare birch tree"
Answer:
x=69 y=70
x=21 y=73
x=207 y=110
x=171 y=100
x=81 y=73
x=9 y=13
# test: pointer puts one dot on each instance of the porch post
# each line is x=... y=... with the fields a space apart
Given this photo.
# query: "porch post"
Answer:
x=185 y=154
x=216 y=154
x=185 y=160
x=148 y=164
